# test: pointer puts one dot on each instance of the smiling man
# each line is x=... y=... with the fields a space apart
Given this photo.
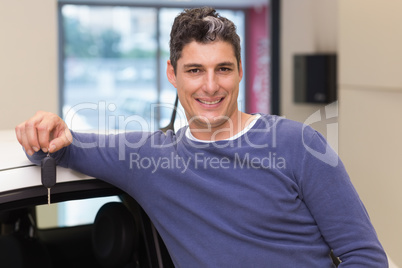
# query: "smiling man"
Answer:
x=207 y=79
x=231 y=189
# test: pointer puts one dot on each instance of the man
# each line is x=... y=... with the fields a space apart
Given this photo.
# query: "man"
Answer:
x=231 y=189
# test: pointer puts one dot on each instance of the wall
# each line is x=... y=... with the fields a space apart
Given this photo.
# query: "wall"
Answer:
x=370 y=85
x=366 y=37
x=28 y=59
x=307 y=26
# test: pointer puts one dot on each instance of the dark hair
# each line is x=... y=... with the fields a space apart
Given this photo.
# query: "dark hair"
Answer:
x=203 y=25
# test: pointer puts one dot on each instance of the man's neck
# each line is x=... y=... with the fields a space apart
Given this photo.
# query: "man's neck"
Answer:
x=230 y=128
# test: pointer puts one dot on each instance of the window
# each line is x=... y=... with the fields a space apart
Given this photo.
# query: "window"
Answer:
x=71 y=213
x=113 y=66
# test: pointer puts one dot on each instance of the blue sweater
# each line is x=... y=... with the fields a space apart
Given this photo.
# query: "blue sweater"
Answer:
x=277 y=196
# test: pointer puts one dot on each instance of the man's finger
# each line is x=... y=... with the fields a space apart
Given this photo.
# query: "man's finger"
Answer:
x=24 y=142
x=18 y=132
x=44 y=130
x=31 y=132
x=60 y=142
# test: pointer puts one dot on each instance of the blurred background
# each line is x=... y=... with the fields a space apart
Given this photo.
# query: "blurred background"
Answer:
x=96 y=63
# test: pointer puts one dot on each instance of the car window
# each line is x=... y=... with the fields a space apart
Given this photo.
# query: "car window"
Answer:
x=71 y=213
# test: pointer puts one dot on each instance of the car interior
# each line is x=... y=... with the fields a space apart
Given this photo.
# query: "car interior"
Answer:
x=120 y=236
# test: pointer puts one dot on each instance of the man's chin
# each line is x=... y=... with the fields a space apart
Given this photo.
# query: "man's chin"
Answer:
x=209 y=122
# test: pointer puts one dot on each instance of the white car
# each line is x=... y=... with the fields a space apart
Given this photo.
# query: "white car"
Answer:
x=89 y=224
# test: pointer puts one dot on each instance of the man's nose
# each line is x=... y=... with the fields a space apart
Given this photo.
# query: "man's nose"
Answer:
x=211 y=83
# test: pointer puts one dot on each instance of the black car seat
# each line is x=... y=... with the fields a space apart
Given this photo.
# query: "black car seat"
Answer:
x=114 y=236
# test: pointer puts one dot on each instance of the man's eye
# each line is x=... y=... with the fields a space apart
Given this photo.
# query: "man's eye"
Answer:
x=224 y=69
x=194 y=71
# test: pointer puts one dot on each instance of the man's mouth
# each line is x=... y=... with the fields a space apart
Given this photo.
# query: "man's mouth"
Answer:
x=210 y=102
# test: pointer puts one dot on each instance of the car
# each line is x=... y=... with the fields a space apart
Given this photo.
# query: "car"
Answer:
x=90 y=223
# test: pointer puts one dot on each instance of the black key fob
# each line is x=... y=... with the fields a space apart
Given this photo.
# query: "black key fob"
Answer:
x=48 y=171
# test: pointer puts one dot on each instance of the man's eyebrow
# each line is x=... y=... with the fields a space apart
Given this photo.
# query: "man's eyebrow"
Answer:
x=192 y=65
x=197 y=65
x=226 y=63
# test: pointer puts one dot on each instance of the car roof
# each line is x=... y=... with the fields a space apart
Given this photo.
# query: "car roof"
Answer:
x=17 y=172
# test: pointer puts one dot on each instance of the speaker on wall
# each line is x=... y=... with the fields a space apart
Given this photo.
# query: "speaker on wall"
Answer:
x=314 y=78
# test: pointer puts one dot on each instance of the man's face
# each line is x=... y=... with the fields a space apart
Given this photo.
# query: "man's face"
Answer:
x=207 y=80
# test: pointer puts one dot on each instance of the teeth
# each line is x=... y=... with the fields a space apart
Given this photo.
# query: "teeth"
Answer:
x=210 y=102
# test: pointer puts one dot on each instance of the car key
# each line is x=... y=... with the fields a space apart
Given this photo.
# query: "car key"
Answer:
x=48 y=174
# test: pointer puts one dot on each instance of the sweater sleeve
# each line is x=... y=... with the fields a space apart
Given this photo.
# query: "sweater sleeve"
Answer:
x=336 y=207
x=106 y=157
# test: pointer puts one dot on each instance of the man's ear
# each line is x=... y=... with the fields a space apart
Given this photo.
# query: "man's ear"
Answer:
x=170 y=74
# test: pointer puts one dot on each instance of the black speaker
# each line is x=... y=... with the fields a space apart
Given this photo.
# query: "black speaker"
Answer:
x=314 y=78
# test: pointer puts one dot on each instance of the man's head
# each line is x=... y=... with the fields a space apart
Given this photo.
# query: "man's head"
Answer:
x=203 y=25
x=205 y=68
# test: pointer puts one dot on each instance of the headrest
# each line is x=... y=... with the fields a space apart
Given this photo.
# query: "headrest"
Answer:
x=113 y=235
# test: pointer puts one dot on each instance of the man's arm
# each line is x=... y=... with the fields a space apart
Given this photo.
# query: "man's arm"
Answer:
x=337 y=208
x=106 y=157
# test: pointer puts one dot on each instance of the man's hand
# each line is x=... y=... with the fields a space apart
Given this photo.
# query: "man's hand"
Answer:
x=44 y=131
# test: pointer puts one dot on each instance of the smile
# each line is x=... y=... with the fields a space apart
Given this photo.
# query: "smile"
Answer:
x=210 y=102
